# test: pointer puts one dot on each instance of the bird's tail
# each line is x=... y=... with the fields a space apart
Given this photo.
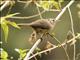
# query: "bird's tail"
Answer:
x=23 y=24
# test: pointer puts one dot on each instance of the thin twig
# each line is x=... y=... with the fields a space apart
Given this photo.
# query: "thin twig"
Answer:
x=23 y=1
x=63 y=44
x=11 y=5
x=64 y=9
x=39 y=12
x=4 y=5
x=32 y=49
x=63 y=48
x=27 y=3
x=29 y=16
x=57 y=18
x=54 y=10
x=60 y=44
x=72 y=28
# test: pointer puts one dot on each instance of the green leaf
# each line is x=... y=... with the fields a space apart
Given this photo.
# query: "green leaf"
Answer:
x=13 y=24
x=38 y=49
x=5 y=29
x=23 y=55
x=10 y=15
x=55 y=4
x=48 y=4
x=4 y=59
x=22 y=52
x=4 y=24
x=45 y=4
x=4 y=55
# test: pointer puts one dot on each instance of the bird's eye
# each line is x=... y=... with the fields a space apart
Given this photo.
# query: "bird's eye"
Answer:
x=51 y=21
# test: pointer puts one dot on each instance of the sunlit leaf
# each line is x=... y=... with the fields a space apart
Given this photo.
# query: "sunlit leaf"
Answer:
x=55 y=4
x=17 y=50
x=3 y=55
x=4 y=59
x=10 y=15
x=48 y=4
x=38 y=49
x=6 y=30
x=23 y=55
x=22 y=52
x=45 y=4
x=13 y=24
x=4 y=24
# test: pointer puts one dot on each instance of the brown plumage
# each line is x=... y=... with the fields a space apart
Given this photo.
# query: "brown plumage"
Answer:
x=40 y=27
x=40 y=24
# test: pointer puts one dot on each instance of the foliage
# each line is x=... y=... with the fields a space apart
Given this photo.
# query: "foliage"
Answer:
x=4 y=54
x=4 y=24
x=22 y=52
x=46 y=5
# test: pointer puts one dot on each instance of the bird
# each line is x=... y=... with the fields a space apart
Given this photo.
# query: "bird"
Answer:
x=40 y=25
x=40 y=29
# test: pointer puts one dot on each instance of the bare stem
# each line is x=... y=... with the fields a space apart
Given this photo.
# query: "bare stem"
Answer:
x=54 y=47
x=72 y=28
x=4 y=5
x=63 y=48
x=64 y=9
x=39 y=12
x=32 y=49
x=29 y=16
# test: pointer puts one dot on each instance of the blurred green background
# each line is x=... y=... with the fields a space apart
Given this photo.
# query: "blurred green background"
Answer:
x=19 y=38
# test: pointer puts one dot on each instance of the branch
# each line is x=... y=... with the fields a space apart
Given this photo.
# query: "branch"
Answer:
x=39 y=12
x=23 y=1
x=32 y=49
x=64 y=9
x=29 y=16
x=57 y=18
x=4 y=5
x=72 y=28
x=54 y=47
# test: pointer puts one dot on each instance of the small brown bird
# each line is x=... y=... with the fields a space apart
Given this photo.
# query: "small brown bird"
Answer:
x=40 y=27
